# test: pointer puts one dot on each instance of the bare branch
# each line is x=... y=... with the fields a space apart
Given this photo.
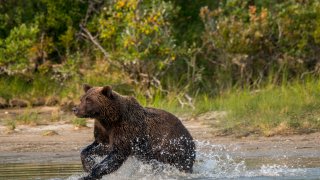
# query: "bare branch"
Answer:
x=95 y=42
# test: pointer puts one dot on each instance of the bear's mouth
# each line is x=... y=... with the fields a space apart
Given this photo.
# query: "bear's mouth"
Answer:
x=79 y=115
x=87 y=115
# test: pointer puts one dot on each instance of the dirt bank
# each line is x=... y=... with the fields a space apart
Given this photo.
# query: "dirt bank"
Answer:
x=38 y=144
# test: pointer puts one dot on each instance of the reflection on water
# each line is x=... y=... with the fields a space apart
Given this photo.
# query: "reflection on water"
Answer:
x=38 y=171
x=213 y=162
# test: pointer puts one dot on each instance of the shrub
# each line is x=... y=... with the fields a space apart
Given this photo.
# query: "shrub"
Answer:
x=14 y=50
x=250 y=45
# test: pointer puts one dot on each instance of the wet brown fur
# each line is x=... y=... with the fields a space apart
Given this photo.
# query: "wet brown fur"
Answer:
x=123 y=128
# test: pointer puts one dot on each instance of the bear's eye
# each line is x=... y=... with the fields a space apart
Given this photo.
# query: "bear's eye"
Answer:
x=88 y=101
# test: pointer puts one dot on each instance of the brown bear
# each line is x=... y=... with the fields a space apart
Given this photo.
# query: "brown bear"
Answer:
x=124 y=128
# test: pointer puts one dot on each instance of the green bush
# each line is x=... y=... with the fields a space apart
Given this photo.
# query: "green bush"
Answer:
x=16 y=48
x=164 y=51
x=138 y=35
x=251 y=45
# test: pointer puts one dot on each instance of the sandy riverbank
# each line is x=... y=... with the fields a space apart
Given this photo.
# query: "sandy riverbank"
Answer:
x=30 y=144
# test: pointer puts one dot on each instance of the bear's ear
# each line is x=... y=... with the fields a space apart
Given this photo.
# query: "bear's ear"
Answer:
x=107 y=91
x=86 y=87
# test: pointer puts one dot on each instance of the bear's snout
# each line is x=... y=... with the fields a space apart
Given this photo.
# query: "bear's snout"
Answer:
x=78 y=111
x=75 y=110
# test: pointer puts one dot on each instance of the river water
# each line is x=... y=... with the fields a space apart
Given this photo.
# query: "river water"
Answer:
x=213 y=162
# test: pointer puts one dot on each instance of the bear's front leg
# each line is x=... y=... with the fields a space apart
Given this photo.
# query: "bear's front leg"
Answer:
x=88 y=153
x=111 y=163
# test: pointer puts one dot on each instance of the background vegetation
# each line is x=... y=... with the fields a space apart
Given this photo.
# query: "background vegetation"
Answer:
x=257 y=60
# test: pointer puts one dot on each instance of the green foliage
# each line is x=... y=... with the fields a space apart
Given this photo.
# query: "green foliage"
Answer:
x=28 y=118
x=246 y=44
x=11 y=124
x=22 y=87
x=15 y=49
x=170 y=102
x=138 y=32
x=271 y=110
x=212 y=45
x=163 y=51
x=79 y=122
x=13 y=14
x=57 y=22
x=187 y=24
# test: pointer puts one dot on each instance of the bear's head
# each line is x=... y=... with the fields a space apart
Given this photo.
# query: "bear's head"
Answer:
x=99 y=103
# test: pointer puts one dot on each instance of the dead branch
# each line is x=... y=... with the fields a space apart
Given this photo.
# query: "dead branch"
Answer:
x=95 y=42
x=86 y=34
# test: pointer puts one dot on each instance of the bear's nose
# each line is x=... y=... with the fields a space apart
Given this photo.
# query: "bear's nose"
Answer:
x=75 y=109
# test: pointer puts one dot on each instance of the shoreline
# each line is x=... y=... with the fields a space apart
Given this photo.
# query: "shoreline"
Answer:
x=28 y=144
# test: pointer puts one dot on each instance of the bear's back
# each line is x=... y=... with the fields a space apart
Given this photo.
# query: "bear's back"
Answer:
x=163 y=122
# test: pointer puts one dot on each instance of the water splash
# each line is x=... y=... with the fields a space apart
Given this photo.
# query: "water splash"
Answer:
x=212 y=162
x=276 y=170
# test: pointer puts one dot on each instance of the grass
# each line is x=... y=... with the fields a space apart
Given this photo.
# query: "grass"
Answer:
x=11 y=125
x=290 y=108
x=55 y=116
x=273 y=109
x=22 y=87
x=28 y=118
x=79 y=122
x=169 y=102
